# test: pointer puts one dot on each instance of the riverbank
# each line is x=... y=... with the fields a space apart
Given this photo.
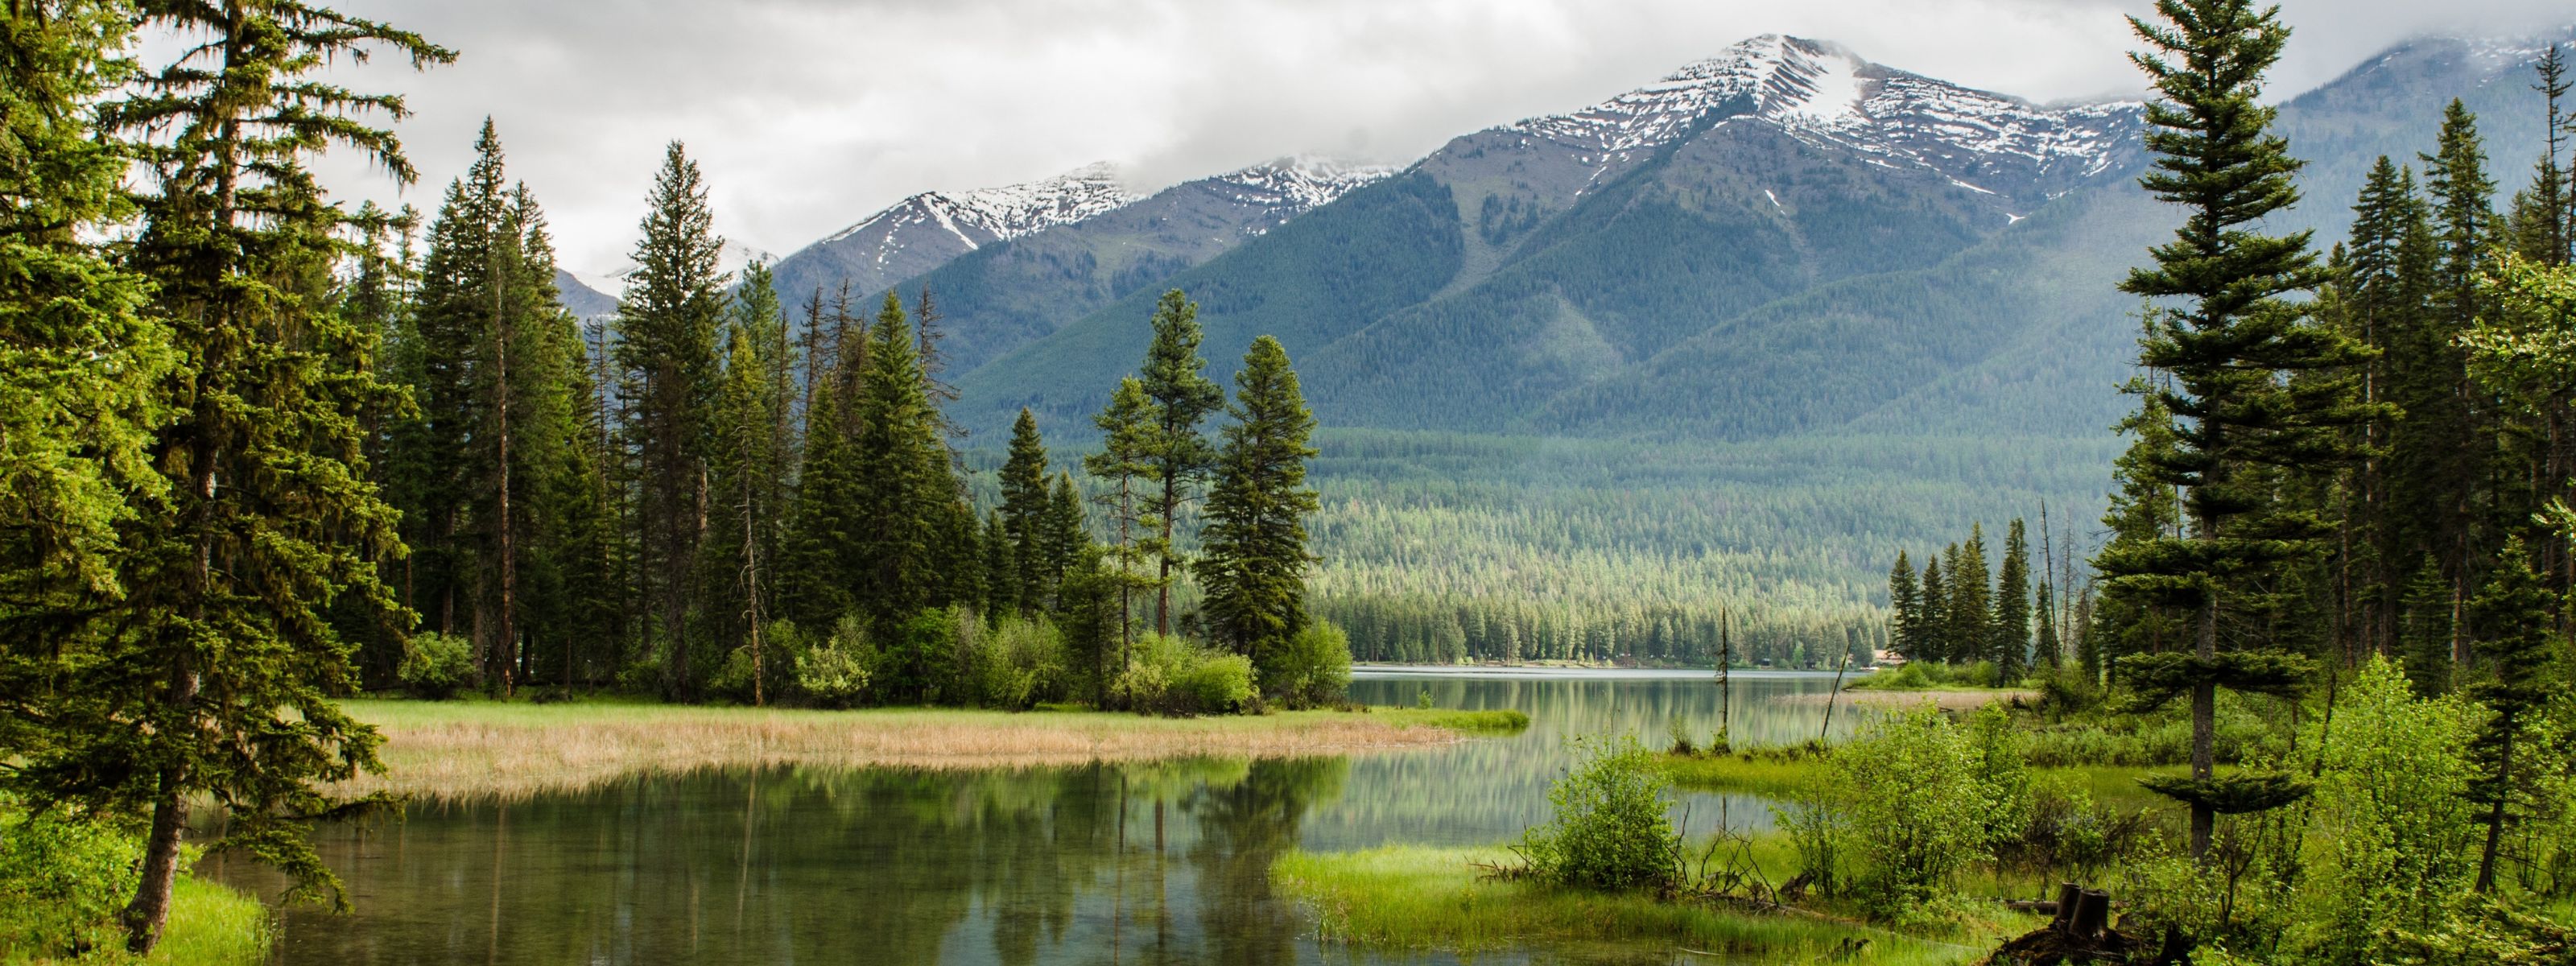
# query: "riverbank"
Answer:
x=463 y=749
x=1425 y=898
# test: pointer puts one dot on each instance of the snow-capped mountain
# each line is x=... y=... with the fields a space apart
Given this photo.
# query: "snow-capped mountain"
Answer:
x=1293 y=186
x=924 y=231
x=1822 y=93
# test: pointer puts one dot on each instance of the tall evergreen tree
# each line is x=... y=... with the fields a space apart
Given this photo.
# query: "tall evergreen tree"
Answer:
x=1064 y=536
x=903 y=488
x=1932 y=636
x=667 y=329
x=1024 y=507
x=1972 y=611
x=1126 y=463
x=2225 y=326
x=1905 y=608
x=81 y=353
x=2517 y=640
x=2046 y=644
x=747 y=457
x=1183 y=397
x=2010 y=639
x=214 y=683
x=1001 y=562
x=1255 y=543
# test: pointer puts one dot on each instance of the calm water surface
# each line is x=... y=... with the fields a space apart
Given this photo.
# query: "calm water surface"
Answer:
x=1164 y=863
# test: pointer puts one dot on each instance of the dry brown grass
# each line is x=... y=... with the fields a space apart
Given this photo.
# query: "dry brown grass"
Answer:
x=474 y=750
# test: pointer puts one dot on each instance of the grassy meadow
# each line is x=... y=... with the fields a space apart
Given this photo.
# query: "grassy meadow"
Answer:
x=482 y=748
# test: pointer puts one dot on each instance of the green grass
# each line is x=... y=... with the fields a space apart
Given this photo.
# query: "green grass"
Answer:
x=212 y=925
x=1782 y=775
x=1422 y=898
x=1503 y=722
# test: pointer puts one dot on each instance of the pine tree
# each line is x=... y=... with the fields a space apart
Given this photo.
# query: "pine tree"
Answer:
x=2516 y=638
x=1125 y=462
x=2452 y=429
x=1972 y=619
x=667 y=329
x=81 y=354
x=1024 y=507
x=1001 y=565
x=1932 y=636
x=2225 y=328
x=1255 y=542
x=903 y=486
x=220 y=644
x=818 y=559
x=1064 y=536
x=1905 y=607
x=746 y=458
x=1182 y=397
x=2010 y=639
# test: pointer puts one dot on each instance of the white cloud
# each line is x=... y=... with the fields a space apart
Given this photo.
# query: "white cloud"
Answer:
x=807 y=114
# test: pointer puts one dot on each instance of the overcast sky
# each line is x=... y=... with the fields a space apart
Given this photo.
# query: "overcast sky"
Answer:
x=807 y=115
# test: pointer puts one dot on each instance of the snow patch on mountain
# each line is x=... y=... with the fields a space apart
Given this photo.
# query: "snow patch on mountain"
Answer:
x=1822 y=92
x=1293 y=186
x=986 y=215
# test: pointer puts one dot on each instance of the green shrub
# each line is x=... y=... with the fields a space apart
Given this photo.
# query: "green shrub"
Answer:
x=1216 y=683
x=1915 y=807
x=435 y=665
x=1167 y=675
x=1611 y=828
x=780 y=643
x=1311 y=669
x=835 y=672
x=1015 y=664
x=62 y=881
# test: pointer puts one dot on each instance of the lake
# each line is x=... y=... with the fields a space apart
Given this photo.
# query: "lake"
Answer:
x=1153 y=863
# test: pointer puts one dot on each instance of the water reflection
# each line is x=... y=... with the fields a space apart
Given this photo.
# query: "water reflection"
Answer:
x=1162 y=863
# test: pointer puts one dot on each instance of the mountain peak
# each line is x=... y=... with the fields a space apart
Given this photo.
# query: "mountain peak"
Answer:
x=1821 y=92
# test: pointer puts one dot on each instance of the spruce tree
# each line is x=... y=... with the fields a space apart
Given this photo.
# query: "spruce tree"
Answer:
x=817 y=568
x=1905 y=607
x=1972 y=612
x=1064 y=537
x=1183 y=397
x=667 y=331
x=745 y=460
x=1126 y=463
x=2050 y=649
x=81 y=353
x=1001 y=565
x=1932 y=636
x=903 y=488
x=1024 y=506
x=2226 y=324
x=213 y=680
x=2009 y=642
x=1255 y=542
x=2516 y=639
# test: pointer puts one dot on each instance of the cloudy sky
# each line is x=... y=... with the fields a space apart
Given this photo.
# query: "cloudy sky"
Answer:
x=808 y=114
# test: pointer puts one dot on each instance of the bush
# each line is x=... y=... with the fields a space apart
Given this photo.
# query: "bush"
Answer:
x=1167 y=675
x=1611 y=828
x=780 y=642
x=1907 y=804
x=1216 y=684
x=1312 y=668
x=836 y=671
x=62 y=881
x=435 y=665
x=1014 y=665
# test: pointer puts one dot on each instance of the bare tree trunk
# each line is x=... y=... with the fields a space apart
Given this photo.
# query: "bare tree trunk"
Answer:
x=2495 y=818
x=509 y=648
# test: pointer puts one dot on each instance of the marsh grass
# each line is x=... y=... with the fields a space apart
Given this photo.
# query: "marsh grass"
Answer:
x=211 y=925
x=1784 y=773
x=1423 y=898
x=445 y=750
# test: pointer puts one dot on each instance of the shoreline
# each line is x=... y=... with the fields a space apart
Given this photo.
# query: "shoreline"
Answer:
x=468 y=749
x=1362 y=672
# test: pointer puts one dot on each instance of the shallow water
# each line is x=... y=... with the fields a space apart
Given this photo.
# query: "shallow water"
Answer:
x=1093 y=864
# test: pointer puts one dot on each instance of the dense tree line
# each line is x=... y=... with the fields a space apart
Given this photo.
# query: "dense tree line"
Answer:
x=261 y=452
x=1955 y=610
